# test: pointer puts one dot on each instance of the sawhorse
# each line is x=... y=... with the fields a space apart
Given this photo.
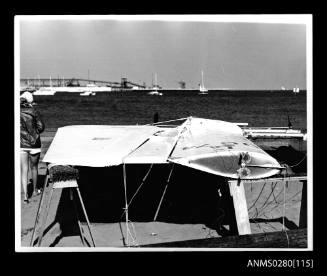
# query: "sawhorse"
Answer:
x=71 y=184
x=237 y=191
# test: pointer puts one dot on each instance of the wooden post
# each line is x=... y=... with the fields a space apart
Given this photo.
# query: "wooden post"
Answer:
x=303 y=209
x=241 y=210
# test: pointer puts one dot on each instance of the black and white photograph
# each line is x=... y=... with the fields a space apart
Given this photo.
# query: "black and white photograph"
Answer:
x=163 y=133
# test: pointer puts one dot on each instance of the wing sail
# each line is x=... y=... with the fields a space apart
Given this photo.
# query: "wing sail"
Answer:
x=212 y=146
x=220 y=148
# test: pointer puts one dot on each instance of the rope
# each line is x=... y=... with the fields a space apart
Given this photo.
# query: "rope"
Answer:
x=183 y=128
x=265 y=204
x=258 y=224
x=272 y=190
x=279 y=203
x=263 y=186
x=143 y=181
x=305 y=156
x=125 y=187
x=128 y=232
x=269 y=222
x=132 y=235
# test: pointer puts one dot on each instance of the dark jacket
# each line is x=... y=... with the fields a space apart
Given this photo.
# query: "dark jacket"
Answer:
x=31 y=125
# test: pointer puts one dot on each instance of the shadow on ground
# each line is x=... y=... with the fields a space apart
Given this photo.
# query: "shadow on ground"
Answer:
x=191 y=197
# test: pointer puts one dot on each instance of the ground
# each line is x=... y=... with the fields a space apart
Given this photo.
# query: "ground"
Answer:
x=265 y=215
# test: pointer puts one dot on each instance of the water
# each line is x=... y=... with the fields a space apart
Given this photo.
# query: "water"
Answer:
x=258 y=108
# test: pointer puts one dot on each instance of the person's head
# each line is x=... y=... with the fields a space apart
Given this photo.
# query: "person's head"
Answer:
x=26 y=98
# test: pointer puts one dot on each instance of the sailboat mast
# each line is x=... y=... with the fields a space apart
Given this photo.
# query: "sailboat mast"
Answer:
x=202 y=84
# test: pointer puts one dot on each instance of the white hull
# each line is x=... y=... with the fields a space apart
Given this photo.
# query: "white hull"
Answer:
x=82 y=89
x=296 y=90
x=203 y=90
x=155 y=88
x=88 y=93
x=45 y=92
x=155 y=93
x=74 y=89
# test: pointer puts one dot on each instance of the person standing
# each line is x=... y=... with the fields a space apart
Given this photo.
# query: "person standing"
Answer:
x=31 y=125
x=156 y=117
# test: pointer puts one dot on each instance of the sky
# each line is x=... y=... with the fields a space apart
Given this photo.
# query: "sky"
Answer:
x=231 y=54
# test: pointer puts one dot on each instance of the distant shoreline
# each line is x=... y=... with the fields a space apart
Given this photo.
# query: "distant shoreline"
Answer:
x=190 y=90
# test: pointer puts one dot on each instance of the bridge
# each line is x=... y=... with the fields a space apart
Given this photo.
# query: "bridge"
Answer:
x=58 y=82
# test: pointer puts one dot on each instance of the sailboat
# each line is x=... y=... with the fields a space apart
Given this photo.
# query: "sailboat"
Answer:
x=87 y=93
x=296 y=90
x=203 y=90
x=45 y=91
x=155 y=91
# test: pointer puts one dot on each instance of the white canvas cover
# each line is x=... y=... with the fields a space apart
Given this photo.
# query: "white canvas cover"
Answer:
x=96 y=145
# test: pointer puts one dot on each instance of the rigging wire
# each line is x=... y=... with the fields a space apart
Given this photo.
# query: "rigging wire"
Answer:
x=164 y=192
x=126 y=206
x=158 y=123
x=284 y=209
